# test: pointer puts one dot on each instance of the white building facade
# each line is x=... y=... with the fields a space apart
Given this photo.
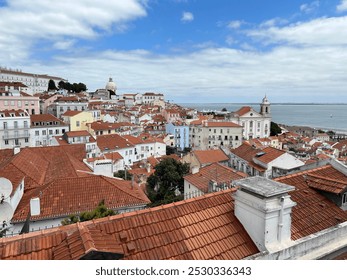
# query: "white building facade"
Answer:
x=14 y=129
x=255 y=124
x=35 y=82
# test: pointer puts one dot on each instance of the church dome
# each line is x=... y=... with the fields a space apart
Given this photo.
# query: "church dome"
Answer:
x=111 y=85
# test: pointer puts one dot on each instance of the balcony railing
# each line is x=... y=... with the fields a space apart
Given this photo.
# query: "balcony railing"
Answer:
x=15 y=136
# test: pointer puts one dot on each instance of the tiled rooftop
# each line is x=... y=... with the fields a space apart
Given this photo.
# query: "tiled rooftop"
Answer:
x=314 y=212
x=112 y=142
x=65 y=196
x=270 y=154
x=246 y=152
x=243 y=110
x=200 y=228
x=210 y=156
x=216 y=172
x=221 y=124
x=45 y=118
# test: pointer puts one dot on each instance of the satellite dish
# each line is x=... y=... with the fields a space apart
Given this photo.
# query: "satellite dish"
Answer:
x=6 y=212
x=5 y=187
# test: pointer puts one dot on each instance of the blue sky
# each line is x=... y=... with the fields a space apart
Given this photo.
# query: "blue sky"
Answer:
x=192 y=51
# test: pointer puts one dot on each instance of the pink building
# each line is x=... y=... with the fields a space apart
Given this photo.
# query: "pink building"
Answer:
x=13 y=98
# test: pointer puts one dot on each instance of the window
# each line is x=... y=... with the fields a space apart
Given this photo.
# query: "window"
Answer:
x=15 y=124
x=77 y=123
x=19 y=103
x=6 y=103
x=43 y=132
x=5 y=125
x=236 y=138
x=344 y=198
x=6 y=142
x=26 y=140
x=57 y=131
x=12 y=102
x=26 y=124
x=50 y=132
x=26 y=103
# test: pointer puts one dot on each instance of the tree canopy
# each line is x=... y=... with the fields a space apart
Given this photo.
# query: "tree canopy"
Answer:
x=124 y=175
x=275 y=129
x=51 y=85
x=100 y=211
x=75 y=87
x=163 y=184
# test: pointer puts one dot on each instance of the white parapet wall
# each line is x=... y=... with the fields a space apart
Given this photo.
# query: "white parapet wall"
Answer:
x=322 y=245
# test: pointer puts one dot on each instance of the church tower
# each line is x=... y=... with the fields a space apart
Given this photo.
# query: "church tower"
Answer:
x=265 y=107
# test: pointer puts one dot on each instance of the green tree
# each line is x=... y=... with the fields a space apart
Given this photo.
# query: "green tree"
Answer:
x=61 y=85
x=51 y=85
x=100 y=211
x=275 y=129
x=121 y=174
x=167 y=178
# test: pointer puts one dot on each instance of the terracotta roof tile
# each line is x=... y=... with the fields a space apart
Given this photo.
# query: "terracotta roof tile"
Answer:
x=221 y=124
x=314 y=212
x=216 y=172
x=170 y=235
x=76 y=195
x=270 y=154
x=243 y=110
x=210 y=156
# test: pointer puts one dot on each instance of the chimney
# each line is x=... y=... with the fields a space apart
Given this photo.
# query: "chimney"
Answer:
x=264 y=209
x=195 y=169
x=16 y=150
x=103 y=167
x=148 y=167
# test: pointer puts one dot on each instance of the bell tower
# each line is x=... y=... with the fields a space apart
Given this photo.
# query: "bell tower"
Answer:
x=265 y=107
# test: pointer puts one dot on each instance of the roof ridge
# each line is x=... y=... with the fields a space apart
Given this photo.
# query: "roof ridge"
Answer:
x=121 y=188
x=303 y=172
x=327 y=179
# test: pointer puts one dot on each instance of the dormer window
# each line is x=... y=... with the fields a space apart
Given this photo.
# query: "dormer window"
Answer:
x=344 y=199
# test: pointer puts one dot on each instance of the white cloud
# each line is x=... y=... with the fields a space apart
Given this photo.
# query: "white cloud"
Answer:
x=318 y=32
x=235 y=24
x=230 y=40
x=64 y=44
x=287 y=73
x=187 y=17
x=309 y=7
x=23 y=23
x=342 y=7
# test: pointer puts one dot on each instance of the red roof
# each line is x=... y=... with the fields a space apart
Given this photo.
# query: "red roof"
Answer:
x=270 y=154
x=76 y=195
x=243 y=110
x=71 y=113
x=201 y=228
x=112 y=142
x=221 y=124
x=216 y=172
x=45 y=118
x=210 y=156
x=78 y=133
x=314 y=212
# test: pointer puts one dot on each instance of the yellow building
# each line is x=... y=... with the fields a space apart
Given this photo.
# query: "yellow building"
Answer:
x=78 y=119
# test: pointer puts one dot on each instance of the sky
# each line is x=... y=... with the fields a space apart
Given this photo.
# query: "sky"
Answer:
x=193 y=51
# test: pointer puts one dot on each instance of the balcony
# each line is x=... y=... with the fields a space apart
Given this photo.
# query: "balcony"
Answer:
x=15 y=136
x=9 y=127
